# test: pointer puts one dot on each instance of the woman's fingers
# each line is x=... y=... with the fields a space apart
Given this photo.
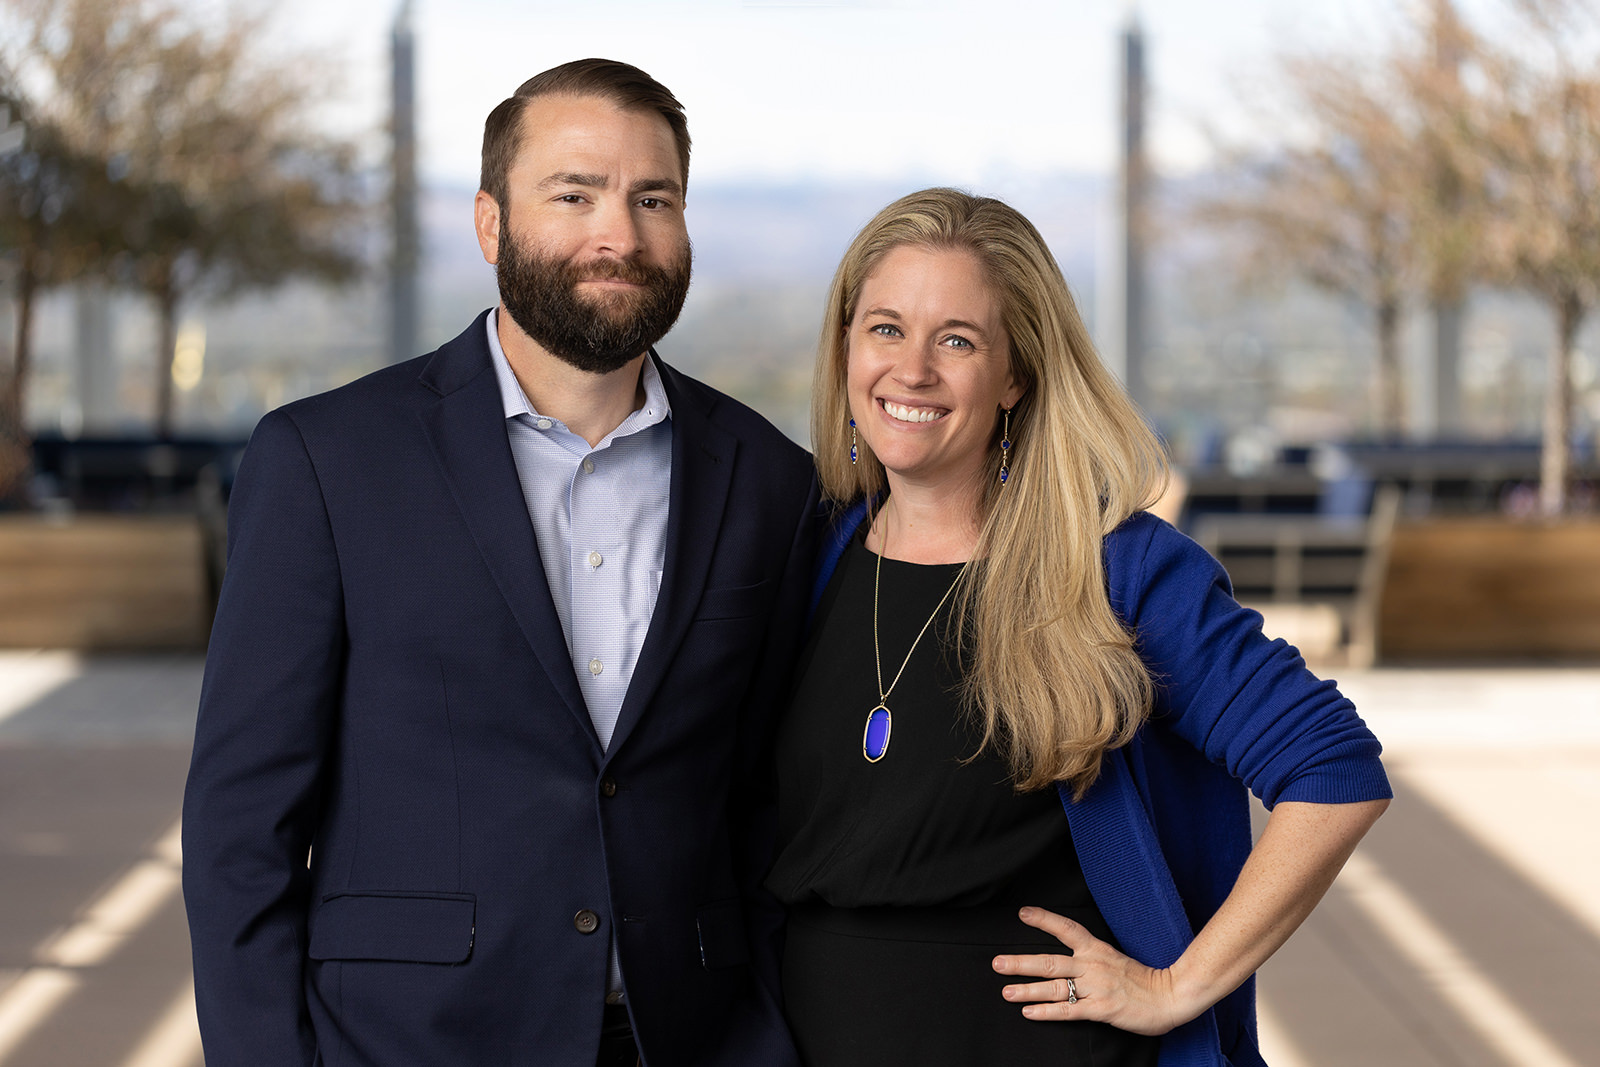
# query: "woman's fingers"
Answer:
x=1051 y=991
x=1044 y=966
x=1095 y=982
x=1060 y=927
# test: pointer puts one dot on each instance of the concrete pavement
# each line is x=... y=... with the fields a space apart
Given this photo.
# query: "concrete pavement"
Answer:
x=94 y=949
x=1467 y=930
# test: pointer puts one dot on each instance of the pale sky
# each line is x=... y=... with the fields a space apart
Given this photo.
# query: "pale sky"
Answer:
x=948 y=90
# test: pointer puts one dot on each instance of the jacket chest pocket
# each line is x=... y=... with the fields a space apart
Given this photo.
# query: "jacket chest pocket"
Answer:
x=734 y=602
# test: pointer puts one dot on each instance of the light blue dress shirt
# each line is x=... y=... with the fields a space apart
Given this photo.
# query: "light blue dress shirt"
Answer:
x=600 y=517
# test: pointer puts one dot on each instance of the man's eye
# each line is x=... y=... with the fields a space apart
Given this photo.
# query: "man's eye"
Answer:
x=571 y=198
x=651 y=202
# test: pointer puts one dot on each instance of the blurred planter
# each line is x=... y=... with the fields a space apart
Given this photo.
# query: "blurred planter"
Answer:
x=103 y=583
x=1491 y=589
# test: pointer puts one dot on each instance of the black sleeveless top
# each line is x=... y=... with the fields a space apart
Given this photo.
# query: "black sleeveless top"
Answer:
x=928 y=824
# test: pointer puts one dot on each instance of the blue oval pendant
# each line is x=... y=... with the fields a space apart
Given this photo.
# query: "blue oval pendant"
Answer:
x=875 y=737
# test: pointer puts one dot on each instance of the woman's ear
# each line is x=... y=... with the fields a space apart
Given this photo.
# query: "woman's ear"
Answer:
x=1016 y=389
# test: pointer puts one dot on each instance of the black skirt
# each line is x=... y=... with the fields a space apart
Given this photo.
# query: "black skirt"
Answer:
x=880 y=987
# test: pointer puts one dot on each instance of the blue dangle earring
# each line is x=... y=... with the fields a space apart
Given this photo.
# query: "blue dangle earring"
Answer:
x=1005 y=448
x=853 y=453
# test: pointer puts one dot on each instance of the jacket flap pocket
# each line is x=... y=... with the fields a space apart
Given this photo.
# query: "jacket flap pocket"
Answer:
x=408 y=927
x=723 y=942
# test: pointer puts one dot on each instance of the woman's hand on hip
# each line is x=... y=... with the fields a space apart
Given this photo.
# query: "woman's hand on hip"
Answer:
x=1096 y=982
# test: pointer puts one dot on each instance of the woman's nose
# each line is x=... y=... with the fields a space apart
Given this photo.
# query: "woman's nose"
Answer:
x=915 y=366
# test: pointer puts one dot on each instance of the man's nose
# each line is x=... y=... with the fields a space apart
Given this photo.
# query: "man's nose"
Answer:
x=616 y=230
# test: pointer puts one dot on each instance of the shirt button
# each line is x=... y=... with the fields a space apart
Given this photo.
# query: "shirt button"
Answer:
x=614 y=997
x=543 y=424
x=588 y=466
x=595 y=666
x=595 y=559
x=608 y=786
x=586 y=921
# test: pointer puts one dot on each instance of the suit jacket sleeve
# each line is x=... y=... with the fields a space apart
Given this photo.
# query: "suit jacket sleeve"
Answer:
x=267 y=708
x=753 y=802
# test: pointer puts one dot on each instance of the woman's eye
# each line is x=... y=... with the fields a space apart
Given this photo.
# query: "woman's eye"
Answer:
x=957 y=342
x=884 y=329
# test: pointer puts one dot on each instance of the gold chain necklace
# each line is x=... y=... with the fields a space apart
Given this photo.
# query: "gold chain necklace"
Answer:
x=880 y=720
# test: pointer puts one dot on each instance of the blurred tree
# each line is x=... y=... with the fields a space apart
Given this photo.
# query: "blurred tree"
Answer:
x=1447 y=160
x=230 y=188
x=1539 y=133
x=1337 y=206
x=59 y=212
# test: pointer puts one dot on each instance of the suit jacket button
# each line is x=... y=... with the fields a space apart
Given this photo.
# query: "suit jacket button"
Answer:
x=586 y=921
x=608 y=786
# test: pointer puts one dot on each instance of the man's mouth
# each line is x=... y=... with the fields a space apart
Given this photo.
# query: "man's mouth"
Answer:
x=604 y=272
x=903 y=413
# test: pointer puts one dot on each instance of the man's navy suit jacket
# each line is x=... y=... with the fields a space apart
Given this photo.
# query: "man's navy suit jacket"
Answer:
x=399 y=816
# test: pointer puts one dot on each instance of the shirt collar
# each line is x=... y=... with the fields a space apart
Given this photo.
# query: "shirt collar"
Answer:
x=655 y=408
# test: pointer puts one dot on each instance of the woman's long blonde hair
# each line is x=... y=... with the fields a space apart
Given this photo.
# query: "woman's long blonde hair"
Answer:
x=1055 y=677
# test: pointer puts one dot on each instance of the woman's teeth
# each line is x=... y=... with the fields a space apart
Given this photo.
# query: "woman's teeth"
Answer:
x=905 y=414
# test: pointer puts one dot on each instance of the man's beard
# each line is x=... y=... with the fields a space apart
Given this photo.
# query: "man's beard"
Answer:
x=598 y=335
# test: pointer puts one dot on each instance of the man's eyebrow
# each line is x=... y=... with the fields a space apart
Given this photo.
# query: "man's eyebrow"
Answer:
x=588 y=181
x=656 y=185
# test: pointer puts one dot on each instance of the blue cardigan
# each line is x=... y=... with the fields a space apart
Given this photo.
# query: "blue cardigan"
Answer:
x=1164 y=831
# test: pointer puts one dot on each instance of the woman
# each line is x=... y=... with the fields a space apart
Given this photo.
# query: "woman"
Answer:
x=1002 y=637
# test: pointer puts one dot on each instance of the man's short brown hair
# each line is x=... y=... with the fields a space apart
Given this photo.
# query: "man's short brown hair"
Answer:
x=626 y=86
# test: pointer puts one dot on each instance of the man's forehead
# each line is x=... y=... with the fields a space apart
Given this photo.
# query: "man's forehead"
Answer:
x=592 y=135
x=564 y=115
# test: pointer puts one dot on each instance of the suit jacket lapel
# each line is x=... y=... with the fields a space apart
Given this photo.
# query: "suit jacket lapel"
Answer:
x=466 y=427
x=702 y=469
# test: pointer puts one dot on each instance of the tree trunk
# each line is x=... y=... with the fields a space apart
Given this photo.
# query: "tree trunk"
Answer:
x=167 y=310
x=17 y=388
x=1391 y=411
x=1555 y=458
x=15 y=453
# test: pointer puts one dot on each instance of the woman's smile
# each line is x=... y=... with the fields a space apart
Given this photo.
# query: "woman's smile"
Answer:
x=907 y=413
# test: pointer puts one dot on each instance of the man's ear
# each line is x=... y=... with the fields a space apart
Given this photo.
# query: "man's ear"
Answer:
x=486 y=222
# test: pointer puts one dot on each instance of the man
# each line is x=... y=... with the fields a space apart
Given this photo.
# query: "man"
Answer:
x=480 y=775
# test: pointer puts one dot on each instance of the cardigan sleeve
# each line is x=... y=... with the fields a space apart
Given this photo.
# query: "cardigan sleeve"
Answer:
x=1246 y=702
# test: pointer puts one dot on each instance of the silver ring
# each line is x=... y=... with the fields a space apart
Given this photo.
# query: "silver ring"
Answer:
x=1072 y=991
